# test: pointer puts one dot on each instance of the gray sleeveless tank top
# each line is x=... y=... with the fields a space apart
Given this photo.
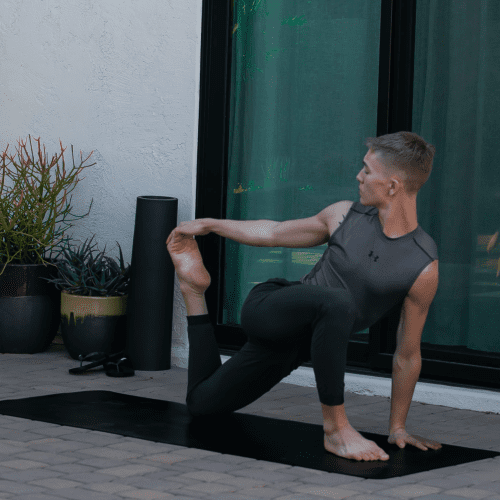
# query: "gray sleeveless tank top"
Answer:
x=378 y=271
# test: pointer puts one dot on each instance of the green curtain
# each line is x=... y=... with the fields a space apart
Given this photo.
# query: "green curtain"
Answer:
x=456 y=107
x=303 y=99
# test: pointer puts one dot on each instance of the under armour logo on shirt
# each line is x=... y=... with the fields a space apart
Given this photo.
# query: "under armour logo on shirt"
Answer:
x=375 y=258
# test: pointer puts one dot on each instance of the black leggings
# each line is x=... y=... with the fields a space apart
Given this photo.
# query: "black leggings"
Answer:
x=286 y=323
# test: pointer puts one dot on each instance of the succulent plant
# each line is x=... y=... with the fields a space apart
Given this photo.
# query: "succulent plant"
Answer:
x=81 y=274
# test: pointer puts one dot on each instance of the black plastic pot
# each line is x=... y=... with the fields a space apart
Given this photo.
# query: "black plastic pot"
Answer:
x=30 y=308
x=93 y=324
x=151 y=287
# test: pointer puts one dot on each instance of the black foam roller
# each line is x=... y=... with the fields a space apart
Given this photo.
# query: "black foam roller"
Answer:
x=151 y=288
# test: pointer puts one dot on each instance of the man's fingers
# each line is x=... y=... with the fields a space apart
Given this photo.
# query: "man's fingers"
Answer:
x=172 y=235
x=418 y=444
x=428 y=443
x=177 y=233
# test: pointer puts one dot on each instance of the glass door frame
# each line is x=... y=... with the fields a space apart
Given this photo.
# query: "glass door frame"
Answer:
x=395 y=102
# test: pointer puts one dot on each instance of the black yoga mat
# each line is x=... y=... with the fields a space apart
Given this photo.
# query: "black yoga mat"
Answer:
x=252 y=436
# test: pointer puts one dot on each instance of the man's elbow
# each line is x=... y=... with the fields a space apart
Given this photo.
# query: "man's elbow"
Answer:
x=407 y=359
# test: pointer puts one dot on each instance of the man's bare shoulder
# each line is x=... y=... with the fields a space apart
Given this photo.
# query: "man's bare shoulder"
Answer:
x=336 y=213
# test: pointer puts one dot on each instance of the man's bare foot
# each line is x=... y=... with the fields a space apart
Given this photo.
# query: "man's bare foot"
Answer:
x=186 y=257
x=349 y=443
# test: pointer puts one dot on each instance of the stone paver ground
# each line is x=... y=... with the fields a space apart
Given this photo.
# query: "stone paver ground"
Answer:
x=40 y=461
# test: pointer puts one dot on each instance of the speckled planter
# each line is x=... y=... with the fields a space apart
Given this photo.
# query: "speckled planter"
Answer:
x=93 y=324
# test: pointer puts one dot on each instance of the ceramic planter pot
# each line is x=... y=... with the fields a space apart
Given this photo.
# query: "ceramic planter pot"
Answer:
x=93 y=324
x=30 y=308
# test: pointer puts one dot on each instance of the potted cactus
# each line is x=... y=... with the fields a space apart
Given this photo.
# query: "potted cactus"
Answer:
x=93 y=301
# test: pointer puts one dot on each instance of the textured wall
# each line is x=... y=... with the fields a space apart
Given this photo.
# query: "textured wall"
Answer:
x=119 y=77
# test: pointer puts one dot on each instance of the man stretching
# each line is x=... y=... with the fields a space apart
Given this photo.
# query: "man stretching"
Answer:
x=377 y=257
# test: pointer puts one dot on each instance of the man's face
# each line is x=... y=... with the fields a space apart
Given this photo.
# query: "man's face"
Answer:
x=372 y=180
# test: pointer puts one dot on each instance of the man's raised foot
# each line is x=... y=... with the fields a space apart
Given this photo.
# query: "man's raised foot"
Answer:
x=186 y=257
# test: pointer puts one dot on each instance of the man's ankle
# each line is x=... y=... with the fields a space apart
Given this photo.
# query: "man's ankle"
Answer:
x=330 y=428
x=195 y=304
x=334 y=418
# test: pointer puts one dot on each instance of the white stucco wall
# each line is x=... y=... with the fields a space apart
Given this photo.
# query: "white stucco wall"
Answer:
x=119 y=77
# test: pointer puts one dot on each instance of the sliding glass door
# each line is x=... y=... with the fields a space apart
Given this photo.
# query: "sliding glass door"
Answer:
x=456 y=107
x=290 y=90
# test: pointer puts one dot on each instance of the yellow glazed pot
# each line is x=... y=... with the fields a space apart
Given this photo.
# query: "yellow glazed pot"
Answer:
x=93 y=324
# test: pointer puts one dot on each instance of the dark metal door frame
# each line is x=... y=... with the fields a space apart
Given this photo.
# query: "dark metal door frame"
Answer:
x=397 y=47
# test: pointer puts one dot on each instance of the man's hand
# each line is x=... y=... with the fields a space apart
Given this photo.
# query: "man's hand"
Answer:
x=401 y=438
x=190 y=229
